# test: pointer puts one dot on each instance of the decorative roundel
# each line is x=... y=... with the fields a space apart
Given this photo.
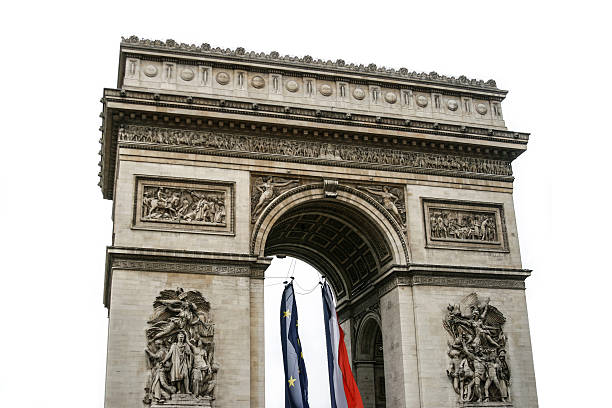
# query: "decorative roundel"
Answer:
x=258 y=82
x=452 y=105
x=481 y=108
x=150 y=71
x=359 y=93
x=390 y=97
x=325 y=90
x=187 y=74
x=292 y=86
x=422 y=101
x=223 y=78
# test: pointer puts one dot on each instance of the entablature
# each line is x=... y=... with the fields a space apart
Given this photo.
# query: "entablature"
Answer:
x=391 y=141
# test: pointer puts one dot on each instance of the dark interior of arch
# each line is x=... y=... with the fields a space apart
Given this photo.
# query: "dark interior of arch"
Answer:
x=336 y=239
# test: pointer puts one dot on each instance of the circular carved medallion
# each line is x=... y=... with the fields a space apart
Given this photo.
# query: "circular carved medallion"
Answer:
x=359 y=93
x=187 y=74
x=452 y=105
x=325 y=90
x=150 y=71
x=223 y=78
x=422 y=101
x=292 y=86
x=390 y=97
x=258 y=82
x=481 y=108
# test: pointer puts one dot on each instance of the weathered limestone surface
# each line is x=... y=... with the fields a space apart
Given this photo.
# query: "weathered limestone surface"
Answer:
x=125 y=235
x=429 y=310
x=132 y=295
x=396 y=185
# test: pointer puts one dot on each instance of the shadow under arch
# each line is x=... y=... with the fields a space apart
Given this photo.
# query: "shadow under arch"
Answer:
x=350 y=238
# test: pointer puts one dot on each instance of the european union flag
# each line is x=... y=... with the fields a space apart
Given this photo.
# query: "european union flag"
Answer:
x=296 y=380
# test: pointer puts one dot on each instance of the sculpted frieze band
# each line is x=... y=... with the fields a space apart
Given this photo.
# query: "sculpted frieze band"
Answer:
x=343 y=154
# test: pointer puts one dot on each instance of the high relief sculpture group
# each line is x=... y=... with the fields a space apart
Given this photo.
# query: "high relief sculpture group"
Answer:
x=180 y=351
x=478 y=367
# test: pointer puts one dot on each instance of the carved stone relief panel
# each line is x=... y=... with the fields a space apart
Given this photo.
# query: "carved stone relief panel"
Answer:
x=390 y=197
x=184 y=205
x=477 y=351
x=464 y=225
x=266 y=188
x=180 y=352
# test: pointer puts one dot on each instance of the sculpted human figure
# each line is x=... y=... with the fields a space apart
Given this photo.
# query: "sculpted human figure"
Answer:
x=160 y=205
x=200 y=369
x=185 y=315
x=454 y=369
x=267 y=193
x=441 y=226
x=481 y=332
x=480 y=370
x=492 y=370
x=389 y=200
x=504 y=376
x=158 y=388
x=180 y=355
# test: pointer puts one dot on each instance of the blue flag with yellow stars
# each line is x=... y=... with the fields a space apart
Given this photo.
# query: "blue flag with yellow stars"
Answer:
x=296 y=380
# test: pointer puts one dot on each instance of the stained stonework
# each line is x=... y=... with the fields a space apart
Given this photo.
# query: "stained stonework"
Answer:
x=396 y=186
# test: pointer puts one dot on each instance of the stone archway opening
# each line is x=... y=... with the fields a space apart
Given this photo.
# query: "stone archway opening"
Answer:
x=338 y=239
x=311 y=329
x=369 y=363
x=350 y=247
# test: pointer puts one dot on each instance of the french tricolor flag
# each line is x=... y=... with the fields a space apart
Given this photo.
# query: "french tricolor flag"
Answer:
x=342 y=385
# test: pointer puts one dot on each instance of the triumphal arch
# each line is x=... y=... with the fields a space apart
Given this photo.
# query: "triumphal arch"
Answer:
x=395 y=185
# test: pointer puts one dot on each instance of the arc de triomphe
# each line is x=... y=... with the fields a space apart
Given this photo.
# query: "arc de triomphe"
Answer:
x=397 y=186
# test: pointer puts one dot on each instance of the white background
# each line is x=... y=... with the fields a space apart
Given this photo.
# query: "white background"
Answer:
x=58 y=56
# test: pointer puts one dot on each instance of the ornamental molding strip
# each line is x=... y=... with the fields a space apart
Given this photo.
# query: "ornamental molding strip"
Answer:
x=198 y=206
x=271 y=148
x=240 y=54
x=321 y=115
x=181 y=267
x=468 y=282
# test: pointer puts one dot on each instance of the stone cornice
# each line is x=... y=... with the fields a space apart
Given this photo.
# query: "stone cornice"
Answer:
x=307 y=62
x=180 y=261
x=470 y=134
